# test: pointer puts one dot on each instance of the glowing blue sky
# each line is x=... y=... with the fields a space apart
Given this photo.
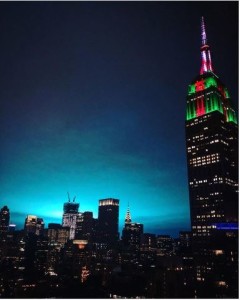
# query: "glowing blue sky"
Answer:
x=93 y=103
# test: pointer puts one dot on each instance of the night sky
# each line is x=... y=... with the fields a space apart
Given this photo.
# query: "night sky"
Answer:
x=93 y=99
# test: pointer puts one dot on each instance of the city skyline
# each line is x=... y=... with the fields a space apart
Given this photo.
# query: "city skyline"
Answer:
x=93 y=105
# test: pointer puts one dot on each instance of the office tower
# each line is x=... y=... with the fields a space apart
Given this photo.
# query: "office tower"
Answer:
x=148 y=241
x=185 y=251
x=212 y=158
x=108 y=214
x=4 y=219
x=30 y=224
x=41 y=255
x=12 y=227
x=70 y=214
x=53 y=232
x=185 y=239
x=185 y=242
x=58 y=234
x=165 y=245
x=85 y=227
x=63 y=235
x=39 y=226
x=131 y=234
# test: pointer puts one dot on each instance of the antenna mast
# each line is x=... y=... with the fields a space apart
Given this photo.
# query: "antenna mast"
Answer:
x=205 y=51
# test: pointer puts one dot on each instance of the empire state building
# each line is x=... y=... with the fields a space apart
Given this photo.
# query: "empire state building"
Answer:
x=212 y=158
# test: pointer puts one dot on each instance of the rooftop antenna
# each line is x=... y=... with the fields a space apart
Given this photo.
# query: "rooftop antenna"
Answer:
x=74 y=198
x=203 y=32
x=69 y=200
x=205 y=51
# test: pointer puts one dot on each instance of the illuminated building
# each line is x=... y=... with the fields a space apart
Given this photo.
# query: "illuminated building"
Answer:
x=30 y=224
x=58 y=234
x=63 y=235
x=108 y=215
x=81 y=244
x=53 y=231
x=212 y=157
x=128 y=219
x=70 y=214
x=131 y=234
x=33 y=224
x=4 y=219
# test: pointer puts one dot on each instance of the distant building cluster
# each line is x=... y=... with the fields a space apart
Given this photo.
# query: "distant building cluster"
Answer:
x=86 y=255
x=81 y=226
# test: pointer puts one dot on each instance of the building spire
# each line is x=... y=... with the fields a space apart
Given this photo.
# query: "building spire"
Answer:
x=128 y=216
x=205 y=51
x=203 y=33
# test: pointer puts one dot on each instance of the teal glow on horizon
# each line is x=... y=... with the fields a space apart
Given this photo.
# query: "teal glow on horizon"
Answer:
x=46 y=171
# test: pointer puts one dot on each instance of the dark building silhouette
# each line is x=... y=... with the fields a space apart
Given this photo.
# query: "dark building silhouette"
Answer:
x=12 y=227
x=185 y=239
x=53 y=231
x=148 y=241
x=131 y=234
x=212 y=157
x=86 y=226
x=40 y=226
x=4 y=219
x=165 y=245
x=108 y=219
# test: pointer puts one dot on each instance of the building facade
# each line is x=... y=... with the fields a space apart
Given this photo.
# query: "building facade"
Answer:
x=70 y=215
x=4 y=219
x=86 y=226
x=33 y=224
x=108 y=220
x=40 y=226
x=132 y=232
x=30 y=224
x=212 y=158
x=58 y=234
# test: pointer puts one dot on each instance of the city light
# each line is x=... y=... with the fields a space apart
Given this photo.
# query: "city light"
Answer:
x=92 y=105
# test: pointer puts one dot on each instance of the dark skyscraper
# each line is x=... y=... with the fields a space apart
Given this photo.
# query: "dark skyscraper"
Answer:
x=4 y=219
x=40 y=226
x=212 y=157
x=108 y=218
x=85 y=226
x=131 y=234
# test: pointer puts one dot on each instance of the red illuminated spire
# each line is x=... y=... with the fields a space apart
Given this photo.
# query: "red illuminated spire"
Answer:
x=205 y=51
